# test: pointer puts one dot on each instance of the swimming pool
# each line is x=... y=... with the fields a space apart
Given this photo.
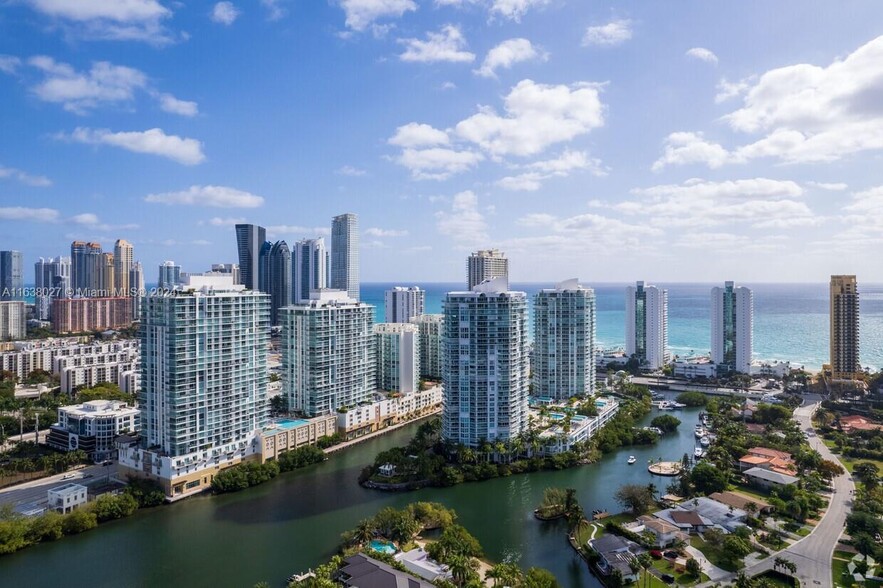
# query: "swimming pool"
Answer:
x=382 y=546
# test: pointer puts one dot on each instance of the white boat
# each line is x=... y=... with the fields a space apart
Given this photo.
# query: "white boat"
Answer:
x=698 y=452
x=664 y=405
x=704 y=441
x=700 y=432
x=632 y=459
x=676 y=405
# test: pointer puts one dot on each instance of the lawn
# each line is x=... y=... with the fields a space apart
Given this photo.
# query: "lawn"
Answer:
x=681 y=578
x=850 y=462
x=750 y=492
x=583 y=533
x=714 y=555
x=839 y=572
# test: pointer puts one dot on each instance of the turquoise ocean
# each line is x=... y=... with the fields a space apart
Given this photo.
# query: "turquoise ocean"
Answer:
x=790 y=320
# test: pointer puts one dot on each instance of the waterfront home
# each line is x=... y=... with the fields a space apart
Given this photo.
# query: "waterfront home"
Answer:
x=768 y=459
x=558 y=438
x=615 y=554
x=361 y=571
x=741 y=501
x=66 y=498
x=686 y=521
x=664 y=533
x=768 y=479
x=418 y=562
x=723 y=515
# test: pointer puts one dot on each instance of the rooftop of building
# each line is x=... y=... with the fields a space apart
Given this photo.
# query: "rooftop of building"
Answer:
x=97 y=408
x=68 y=489
x=737 y=500
x=771 y=476
x=770 y=453
x=365 y=572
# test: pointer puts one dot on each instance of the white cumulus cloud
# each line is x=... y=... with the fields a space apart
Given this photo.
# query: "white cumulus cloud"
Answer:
x=224 y=13
x=615 y=32
x=514 y=9
x=120 y=20
x=507 y=54
x=437 y=163
x=152 y=141
x=360 y=14
x=211 y=196
x=464 y=223
x=11 y=173
x=448 y=44
x=22 y=213
x=702 y=54
x=418 y=135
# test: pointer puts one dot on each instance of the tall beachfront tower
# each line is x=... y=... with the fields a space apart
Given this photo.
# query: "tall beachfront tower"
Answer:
x=845 y=363
x=86 y=267
x=169 y=275
x=403 y=304
x=276 y=277
x=486 y=264
x=646 y=325
x=52 y=278
x=123 y=258
x=204 y=379
x=11 y=275
x=485 y=364
x=430 y=329
x=564 y=341
x=327 y=353
x=136 y=283
x=310 y=268
x=732 y=320
x=345 y=254
x=397 y=348
x=249 y=240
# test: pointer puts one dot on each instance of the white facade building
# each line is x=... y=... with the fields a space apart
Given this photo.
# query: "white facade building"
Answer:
x=381 y=411
x=398 y=357
x=732 y=318
x=328 y=357
x=66 y=498
x=13 y=320
x=403 y=304
x=203 y=382
x=486 y=264
x=92 y=427
x=564 y=341
x=431 y=328
x=485 y=364
x=646 y=325
x=310 y=268
x=557 y=439
x=118 y=362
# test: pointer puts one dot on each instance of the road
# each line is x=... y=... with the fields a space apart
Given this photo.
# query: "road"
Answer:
x=35 y=491
x=812 y=554
x=29 y=436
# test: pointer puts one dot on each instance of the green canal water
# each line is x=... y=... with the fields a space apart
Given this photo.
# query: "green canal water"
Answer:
x=294 y=522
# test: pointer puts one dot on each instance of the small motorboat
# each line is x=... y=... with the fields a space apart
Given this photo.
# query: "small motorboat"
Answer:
x=704 y=441
x=632 y=459
x=700 y=432
x=697 y=453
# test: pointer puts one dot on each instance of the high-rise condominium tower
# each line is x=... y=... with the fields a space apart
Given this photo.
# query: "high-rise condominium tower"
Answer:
x=86 y=267
x=646 y=325
x=327 y=353
x=732 y=317
x=169 y=275
x=310 y=268
x=123 y=258
x=403 y=304
x=108 y=279
x=11 y=275
x=52 y=279
x=564 y=341
x=845 y=363
x=485 y=364
x=136 y=283
x=345 y=254
x=249 y=240
x=276 y=275
x=430 y=328
x=13 y=320
x=203 y=380
x=487 y=264
x=398 y=357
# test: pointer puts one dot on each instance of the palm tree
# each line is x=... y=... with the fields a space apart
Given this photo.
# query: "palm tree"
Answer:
x=364 y=532
x=462 y=567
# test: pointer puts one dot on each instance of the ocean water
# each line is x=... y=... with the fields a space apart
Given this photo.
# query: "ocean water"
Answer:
x=790 y=320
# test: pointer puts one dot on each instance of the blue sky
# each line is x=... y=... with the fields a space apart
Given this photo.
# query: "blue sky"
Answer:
x=696 y=141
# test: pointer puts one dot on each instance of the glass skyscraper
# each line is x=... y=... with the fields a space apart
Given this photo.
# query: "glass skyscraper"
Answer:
x=249 y=240
x=345 y=254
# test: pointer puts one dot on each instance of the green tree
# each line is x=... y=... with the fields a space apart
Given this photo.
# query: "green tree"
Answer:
x=693 y=567
x=46 y=527
x=634 y=497
x=108 y=507
x=666 y=422
x=735 y=548
x=706 y=478
x=539 y=578
x=79 y=520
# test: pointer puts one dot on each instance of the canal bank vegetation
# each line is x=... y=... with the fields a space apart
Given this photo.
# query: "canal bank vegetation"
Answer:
x=246 y=475
x=427 y=460
x=18 y=531
x=432 y=527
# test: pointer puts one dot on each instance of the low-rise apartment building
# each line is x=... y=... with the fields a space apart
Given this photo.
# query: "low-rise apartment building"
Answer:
x=383 y=412
x=93 y=426
x=286 y=434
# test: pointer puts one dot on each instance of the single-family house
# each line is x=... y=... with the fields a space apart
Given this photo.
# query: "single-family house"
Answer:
x=686 y=521
x=664 y=532
x=768 y=459
x=725 y=516
x=742 y=501
x=768 y=479
x=361 y=571
x=615 y=554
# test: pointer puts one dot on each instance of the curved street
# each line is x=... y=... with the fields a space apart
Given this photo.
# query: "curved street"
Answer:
x=812 y=554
